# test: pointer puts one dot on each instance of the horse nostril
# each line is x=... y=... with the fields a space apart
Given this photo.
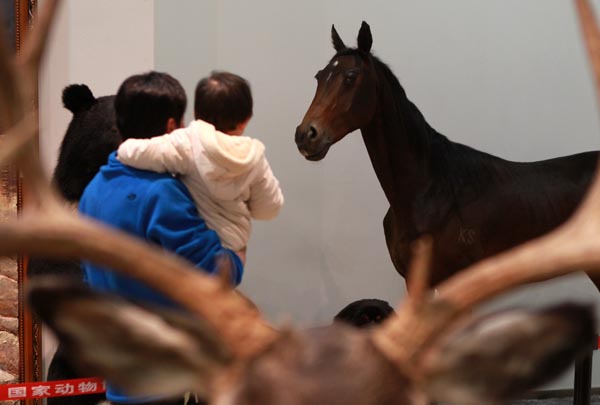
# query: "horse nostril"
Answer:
x=312 y=133
x=299 y=135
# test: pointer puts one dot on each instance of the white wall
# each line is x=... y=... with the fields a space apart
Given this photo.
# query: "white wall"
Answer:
x=184 y=39
x=98 y=43
x=506 y=76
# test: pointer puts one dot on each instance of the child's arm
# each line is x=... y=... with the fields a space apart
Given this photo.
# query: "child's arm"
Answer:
x=266 y=198
x=166 y=153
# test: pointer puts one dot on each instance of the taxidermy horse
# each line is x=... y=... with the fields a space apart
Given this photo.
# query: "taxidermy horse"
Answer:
x=473 y=204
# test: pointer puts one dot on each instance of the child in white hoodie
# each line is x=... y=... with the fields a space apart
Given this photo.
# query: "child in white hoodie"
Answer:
x=227 y=174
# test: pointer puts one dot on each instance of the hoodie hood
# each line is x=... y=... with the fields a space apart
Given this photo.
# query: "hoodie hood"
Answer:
x=234 y=154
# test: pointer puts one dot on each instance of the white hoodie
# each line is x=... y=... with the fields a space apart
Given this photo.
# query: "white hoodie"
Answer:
x=228 y=176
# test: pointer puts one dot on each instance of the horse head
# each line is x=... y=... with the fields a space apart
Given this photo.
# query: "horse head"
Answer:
x=345 y=97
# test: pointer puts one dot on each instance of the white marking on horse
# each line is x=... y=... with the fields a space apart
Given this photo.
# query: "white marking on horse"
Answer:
x=333 y=64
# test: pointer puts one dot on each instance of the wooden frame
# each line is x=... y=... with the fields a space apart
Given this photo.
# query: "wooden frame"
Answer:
x=22 y=356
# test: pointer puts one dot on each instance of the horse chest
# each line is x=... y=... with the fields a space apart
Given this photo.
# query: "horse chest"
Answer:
x=463 y=235
x=455 y=244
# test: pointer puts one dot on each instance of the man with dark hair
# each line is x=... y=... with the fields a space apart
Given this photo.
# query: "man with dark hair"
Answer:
x=149 y=104
x=224 y=99
x=153 y=206
x=227 y=174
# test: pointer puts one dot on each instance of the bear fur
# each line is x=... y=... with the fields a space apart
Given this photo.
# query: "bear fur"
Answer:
x=90 y=137
x=364 y=313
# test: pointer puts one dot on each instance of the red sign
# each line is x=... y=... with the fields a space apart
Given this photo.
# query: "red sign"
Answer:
x=48 y=389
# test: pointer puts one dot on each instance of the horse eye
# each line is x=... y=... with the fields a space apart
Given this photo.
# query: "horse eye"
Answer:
x=350 y=77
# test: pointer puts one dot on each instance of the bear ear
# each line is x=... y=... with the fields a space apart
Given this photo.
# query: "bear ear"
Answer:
x=77 y=97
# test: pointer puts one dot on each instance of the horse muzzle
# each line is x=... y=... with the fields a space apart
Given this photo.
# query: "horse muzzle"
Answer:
x=311 y=143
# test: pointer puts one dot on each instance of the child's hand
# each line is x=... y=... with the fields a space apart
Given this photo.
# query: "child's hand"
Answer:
x=242 y=255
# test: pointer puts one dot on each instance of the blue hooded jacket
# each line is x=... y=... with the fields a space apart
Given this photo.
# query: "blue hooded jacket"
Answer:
x=155 y=207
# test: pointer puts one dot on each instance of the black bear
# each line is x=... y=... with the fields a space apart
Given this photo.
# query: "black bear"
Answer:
x=91 y=136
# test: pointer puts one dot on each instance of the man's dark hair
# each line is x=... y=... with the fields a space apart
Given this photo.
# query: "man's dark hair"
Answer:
x=145 y=102
x=223 y=99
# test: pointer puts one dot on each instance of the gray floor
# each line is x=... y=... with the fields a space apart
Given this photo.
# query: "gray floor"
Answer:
x=555 y=401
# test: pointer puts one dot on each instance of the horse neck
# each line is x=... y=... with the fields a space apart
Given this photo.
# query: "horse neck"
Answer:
x=397 y=140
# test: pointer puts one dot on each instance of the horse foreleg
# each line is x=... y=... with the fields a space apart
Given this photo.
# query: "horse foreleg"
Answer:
x=397 y=244
x=595 y=279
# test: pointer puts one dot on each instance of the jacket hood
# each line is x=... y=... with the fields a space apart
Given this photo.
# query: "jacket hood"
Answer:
x=236 y=154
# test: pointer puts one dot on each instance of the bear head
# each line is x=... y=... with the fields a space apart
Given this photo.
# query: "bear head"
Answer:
x=91 y=136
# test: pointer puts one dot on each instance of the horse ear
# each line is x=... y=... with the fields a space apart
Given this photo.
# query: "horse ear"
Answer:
x=504 y=355
x=365 y=40
x=337 y=42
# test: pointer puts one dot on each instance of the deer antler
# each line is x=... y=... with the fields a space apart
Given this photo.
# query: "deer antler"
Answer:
x=18 y=110
x=48 y=229
x=574 y=246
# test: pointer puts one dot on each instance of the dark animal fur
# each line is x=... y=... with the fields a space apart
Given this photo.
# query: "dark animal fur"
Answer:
x=365 y=312
x=91 y=136
x=89 y=139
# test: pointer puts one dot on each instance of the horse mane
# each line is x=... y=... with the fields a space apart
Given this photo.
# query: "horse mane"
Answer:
x=459 y=173
x=419 y=139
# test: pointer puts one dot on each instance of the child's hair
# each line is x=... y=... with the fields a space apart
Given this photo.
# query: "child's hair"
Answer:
x=223 y=99
x=145 y=102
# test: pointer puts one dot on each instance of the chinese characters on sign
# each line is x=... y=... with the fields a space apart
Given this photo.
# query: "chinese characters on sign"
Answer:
x=17 y=392
x=49 y=389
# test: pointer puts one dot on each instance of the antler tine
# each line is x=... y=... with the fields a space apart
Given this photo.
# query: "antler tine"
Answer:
x=591 y=37
x=58 y=233
x=33 y=51
x=40 y=192
x=19 y=80
x=18 y=109
x=68 y=236
x=574 y=246
x=420 y=268
x=15 y=139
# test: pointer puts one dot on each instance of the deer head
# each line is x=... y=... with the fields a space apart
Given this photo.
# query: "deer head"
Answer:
x=221 y=347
